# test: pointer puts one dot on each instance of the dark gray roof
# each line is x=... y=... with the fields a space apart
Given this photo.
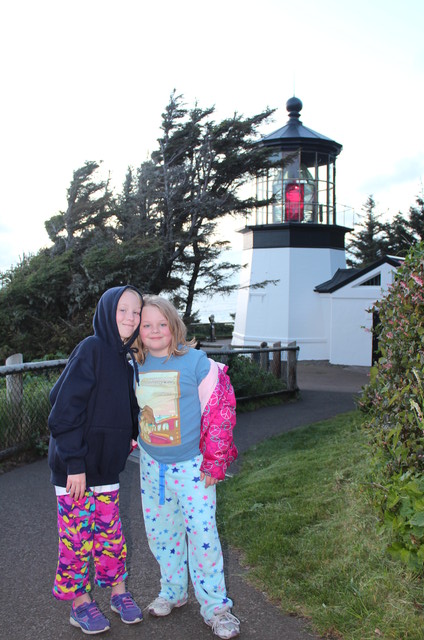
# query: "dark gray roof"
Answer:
x=295 y=133
x=345 y=276
x=341 y=277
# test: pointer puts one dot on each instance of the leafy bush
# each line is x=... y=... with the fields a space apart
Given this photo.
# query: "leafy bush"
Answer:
x=248 y=379
x=393 y=402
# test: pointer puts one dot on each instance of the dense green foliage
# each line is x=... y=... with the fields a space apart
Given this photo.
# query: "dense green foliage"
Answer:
x=394 y=404
x=299 y=512
x=248 y=379
x=158 y=234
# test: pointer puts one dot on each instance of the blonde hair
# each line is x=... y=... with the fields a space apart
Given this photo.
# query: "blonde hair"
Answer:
x=179 y=344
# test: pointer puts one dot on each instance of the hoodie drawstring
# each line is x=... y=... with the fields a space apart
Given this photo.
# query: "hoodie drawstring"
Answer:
x=132 y=351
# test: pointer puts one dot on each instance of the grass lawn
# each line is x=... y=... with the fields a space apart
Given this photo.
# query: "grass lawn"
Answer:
x=300 y=511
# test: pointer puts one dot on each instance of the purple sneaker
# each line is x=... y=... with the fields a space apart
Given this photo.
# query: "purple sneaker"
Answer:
x=89 y=618
x=129 y=611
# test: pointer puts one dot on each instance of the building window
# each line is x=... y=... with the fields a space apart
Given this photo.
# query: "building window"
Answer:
x=372 y=282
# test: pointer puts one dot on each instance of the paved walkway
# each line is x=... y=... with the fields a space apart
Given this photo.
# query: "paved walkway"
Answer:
x=28 y=533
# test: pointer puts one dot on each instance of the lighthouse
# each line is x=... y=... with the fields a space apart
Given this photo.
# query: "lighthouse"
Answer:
x=294 y=243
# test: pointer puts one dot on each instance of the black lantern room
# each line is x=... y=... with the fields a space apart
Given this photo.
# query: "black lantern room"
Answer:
x=302 y=180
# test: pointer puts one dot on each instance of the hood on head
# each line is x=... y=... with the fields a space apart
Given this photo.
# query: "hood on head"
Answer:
x=104 y=321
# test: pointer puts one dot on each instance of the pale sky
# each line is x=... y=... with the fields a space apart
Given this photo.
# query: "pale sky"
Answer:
x=88 y=80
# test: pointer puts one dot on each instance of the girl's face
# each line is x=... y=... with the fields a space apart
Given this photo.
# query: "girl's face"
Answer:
x=155 y=333
x=128 y=314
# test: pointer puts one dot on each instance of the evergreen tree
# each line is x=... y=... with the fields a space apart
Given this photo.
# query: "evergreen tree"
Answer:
x=368 y=242
x=50 y=297
x=416 y=219
x=398 y=236
x=158 y=234
x=402 y=233
x=90 y=206
x=191 y=182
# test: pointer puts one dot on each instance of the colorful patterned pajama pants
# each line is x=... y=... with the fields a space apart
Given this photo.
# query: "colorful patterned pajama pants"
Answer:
x=179 y=515
x=89 y=527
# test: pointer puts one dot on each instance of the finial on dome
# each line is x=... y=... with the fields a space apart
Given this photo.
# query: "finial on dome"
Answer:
x=294 y=107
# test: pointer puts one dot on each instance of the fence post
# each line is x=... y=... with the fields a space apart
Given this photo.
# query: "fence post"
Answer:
x=212 y=328
x=224 y=357
x=276 y=360
x=264 y=357
x=14 y=382
x=291 y=367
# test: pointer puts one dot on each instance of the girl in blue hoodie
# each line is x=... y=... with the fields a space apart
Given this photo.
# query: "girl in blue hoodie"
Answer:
x=92 y=424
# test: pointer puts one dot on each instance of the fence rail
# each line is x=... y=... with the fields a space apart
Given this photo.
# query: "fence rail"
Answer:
x=280 y=367
x=25 y=388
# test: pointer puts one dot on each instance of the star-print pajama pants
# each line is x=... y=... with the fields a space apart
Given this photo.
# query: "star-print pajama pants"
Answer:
x=179 y=516
x=89 y=527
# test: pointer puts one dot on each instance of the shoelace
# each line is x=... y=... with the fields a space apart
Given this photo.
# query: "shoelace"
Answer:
x=93 y=611
x=126 y=602
x=227 y=619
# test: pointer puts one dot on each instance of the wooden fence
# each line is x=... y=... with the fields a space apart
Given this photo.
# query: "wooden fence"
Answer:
x=280 y=360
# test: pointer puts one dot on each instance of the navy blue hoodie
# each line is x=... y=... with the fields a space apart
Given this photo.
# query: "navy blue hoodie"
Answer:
x=94 y=409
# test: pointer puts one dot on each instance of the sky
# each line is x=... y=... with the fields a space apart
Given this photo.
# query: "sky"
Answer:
x=89 y=79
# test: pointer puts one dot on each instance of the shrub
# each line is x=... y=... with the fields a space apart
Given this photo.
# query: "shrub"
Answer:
x=393 y=402
x=248 y=379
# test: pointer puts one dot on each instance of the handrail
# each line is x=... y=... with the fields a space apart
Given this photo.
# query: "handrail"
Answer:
x=31 y=366
x=235 y=351
x=11 y=369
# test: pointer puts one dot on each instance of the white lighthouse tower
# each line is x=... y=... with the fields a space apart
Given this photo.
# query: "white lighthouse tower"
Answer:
x=293 y=240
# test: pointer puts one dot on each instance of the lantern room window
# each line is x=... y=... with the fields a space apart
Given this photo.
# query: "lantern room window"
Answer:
x=301 y=189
